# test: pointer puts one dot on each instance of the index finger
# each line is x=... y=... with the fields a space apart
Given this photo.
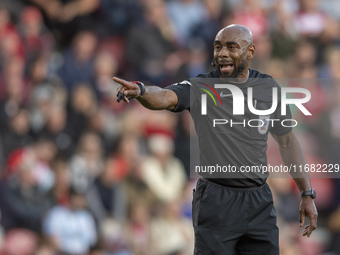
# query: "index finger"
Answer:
x=122 y=82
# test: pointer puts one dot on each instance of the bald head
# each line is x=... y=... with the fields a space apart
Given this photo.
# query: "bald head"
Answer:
x=238 y=31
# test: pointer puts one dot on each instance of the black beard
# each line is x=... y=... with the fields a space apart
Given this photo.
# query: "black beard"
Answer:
x=237 y=71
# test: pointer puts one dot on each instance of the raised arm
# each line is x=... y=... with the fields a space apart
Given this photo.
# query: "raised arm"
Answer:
x=154 y=98
x=292 y=154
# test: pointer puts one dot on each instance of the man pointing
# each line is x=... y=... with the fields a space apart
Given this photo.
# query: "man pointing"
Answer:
x=234 y=214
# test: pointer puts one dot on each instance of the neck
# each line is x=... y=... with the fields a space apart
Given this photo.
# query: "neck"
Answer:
x=243 y=77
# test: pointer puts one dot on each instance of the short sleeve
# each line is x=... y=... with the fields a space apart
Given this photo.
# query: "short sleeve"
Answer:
x=182 y=90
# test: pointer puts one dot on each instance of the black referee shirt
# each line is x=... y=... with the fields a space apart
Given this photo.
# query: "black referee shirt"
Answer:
x=237 y=145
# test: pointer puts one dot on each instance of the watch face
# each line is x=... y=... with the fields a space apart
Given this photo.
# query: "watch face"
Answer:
x=313 y=193
x=310 y=193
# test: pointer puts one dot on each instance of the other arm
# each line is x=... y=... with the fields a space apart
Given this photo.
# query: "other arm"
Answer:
x=292 y=154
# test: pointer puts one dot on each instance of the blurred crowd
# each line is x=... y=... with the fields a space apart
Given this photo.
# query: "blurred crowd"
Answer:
x=82 y=174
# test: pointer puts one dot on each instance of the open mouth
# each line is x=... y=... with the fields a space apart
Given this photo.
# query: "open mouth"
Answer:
x=226 y=68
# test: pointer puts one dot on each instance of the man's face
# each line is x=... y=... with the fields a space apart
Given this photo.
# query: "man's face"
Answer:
x=231 y=54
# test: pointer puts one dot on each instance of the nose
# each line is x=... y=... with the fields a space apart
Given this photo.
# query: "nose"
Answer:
x=224 y=52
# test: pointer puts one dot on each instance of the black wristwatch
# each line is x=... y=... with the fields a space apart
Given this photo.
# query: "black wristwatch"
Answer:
x=141 y=87
x=310 y=193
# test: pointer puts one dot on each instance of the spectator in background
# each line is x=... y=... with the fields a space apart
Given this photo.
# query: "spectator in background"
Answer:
x=38 y=156
x=107 y=196
x=138 y=229
x=45 y=151
x=277 y=69
x=139 y=192
x=128 y=166
x=78 y=60
x=106 y=124
x=185 y=14
x=196 y=61
x=34 y=35
x=71 y=229
x=127 y=154
x=281 y=13
x=43 y=99
x=117 y=16
x=170 y=233
x=44 y=248
x=284 y=198
x=331 y=8
x=16 y=135
x=162 y=172
x=22 y=202
x=329 y=128
x=82 y=106
x=264 y=50
x=6 y=26
x=19 y=241
x=208 y=27
x=14 y=95
x=58 y=130
x=44 y=92
x=150 y=44
x=105 y=120
x=306 y=54
x=159 y=123
x=59 y=193
x=311 y=22
x=186 y=199
x=320 y=100
x=87 y=163
x=95 y=251
x=113 y=239
x=331 y=67
x=251 y=14
x=10 y=44
x=67 y=17
x=105 y=67
x=12 y=67
x=12 y=101
x=37 y=70
x=185 y=131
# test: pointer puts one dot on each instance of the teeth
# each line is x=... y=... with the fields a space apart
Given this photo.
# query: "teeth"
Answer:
x=226 y=67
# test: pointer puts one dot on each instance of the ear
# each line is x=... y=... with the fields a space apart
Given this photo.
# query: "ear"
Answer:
x=251 y=52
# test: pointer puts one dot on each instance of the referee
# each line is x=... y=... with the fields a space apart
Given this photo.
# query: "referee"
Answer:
x=234 y=215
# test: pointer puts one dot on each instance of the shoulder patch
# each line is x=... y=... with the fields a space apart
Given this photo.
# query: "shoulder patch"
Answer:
x=185 y=82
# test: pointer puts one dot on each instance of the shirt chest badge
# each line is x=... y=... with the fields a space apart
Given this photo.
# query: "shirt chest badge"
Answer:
x=263 y=124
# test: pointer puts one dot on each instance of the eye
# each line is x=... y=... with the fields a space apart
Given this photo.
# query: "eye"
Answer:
x=217 y=47
x=232 y=47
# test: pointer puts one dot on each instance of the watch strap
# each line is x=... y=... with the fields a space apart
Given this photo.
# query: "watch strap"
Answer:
x=310 y=193
x=141 y=87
